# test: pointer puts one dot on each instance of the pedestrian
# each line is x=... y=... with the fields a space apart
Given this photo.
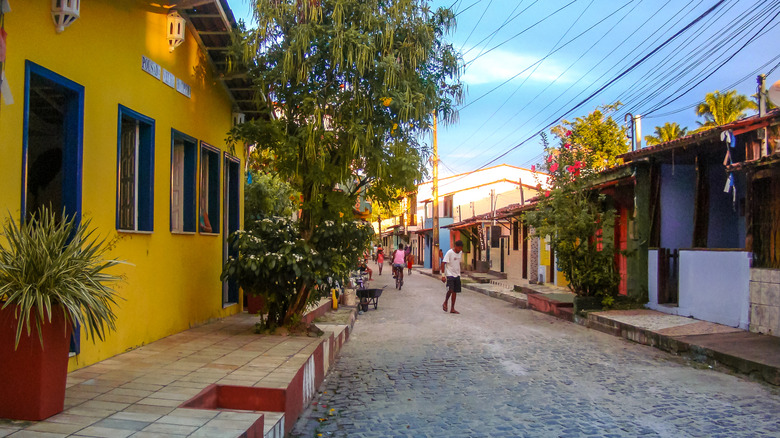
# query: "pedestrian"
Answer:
x=409 y=261
x=380 y=258
x=450 y=274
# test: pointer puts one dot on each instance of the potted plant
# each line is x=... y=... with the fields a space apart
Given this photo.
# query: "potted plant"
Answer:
x=53 y=277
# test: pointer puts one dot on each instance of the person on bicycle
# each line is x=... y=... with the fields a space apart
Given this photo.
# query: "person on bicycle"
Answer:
x=399 y=260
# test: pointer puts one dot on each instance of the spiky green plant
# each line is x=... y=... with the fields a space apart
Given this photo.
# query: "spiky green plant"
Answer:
x=48 y=265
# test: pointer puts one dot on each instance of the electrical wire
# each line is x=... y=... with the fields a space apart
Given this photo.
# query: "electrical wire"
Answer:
x=549 y=53
x=476 y=25
x=606 y=85
x=623 y=41
x=528 y=102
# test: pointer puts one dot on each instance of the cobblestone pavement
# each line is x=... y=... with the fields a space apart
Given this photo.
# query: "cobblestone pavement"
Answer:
x=495 y=370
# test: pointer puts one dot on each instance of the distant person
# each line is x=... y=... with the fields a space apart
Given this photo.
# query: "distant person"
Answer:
x=399 y=262
x=380 y=258
x=450 y=274
x=409 y=261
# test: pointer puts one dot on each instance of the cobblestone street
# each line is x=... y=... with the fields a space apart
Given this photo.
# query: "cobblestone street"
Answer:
x=410 y=369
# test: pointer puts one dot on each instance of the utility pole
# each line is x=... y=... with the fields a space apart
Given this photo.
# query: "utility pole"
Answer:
x=435 y=255
x=761 y=79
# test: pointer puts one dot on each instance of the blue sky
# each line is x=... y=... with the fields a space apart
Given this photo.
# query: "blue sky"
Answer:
x=530 y=63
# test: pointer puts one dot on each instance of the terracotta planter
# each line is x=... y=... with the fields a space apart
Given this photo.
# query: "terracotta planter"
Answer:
x=33 y=378
x=254 y=303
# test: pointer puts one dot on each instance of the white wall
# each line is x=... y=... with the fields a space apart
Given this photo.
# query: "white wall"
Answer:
x=713 y=286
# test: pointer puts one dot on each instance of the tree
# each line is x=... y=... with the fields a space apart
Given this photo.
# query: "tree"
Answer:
x=722 y=108
x=667 y=132
x=578 y=221
x=596 y=138
x=346 y=88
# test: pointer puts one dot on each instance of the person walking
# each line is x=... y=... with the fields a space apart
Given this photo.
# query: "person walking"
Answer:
x=380 y=258
x=450 y=274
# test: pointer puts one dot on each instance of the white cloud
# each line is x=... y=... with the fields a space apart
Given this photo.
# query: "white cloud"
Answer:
x=500 y=65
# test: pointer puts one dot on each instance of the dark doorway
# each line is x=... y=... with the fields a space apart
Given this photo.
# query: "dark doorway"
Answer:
x=51 y=148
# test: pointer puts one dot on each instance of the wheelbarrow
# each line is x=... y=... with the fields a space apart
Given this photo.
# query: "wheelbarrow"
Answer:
x=368 y=296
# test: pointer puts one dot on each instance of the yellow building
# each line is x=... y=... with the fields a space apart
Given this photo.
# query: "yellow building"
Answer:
x=108 y=120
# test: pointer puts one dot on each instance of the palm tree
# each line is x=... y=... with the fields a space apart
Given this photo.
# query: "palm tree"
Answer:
x=668 y=132
x=721 y=108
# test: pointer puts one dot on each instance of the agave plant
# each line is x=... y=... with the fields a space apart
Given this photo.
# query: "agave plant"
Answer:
x=48 y=265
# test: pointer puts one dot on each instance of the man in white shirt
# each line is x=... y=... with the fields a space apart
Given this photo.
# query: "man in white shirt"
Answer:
x=450 y=269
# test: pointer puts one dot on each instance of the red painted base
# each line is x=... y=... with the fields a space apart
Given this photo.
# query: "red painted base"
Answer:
x=33 y=378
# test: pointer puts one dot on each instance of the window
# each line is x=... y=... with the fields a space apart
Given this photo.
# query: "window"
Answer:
x=135 y=197
x=184 y=183
x=495 y=236
x=209 y=189
x=447 y=207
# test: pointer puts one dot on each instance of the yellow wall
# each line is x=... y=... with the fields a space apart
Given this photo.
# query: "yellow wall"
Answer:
x=544 y=260
x=172 y=281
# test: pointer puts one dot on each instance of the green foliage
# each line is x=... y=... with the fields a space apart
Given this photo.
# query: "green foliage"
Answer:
x=267 y=195
x=276 y=262
x=721 y=108
x=596 y=139
x=346 y=89
x=667 y=132
x=579 y=222
x=49 y=265
x=346 y=85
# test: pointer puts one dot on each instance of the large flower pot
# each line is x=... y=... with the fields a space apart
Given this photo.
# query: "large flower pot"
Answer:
x=254 y=303
x=32 y=379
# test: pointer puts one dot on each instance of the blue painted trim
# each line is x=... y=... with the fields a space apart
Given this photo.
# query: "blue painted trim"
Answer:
x=215 y=186
x=233 y=194
x=145 y=192
x=72 y=160
x=189 y=201
x=74 y=142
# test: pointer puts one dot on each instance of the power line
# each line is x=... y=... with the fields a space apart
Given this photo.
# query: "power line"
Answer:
x=476 y=25
x=553 y=82
x=549 y=53
x=605 y=86
x=521 y=32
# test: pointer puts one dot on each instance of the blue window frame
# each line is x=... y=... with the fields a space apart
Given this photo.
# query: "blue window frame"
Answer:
x=184 y=182
x=52 y=145
x=135 y=171
x=232 y=216
x=209 y=189
x=52 y=142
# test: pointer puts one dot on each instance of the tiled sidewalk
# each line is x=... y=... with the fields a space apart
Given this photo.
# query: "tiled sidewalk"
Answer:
x=138 y=393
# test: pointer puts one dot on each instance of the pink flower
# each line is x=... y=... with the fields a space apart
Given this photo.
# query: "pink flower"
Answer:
x=553 y=167
x=578 y=164
x=549 y=158
x=533 y=168
x=566 y=145
x=568 y=133
x=547 y=194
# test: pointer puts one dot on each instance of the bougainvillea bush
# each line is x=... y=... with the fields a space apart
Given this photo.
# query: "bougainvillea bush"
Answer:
x=577 y=220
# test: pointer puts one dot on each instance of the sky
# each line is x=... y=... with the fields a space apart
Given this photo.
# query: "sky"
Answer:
x=531 y=63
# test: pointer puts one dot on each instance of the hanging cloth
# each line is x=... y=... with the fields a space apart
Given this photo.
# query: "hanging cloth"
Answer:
x=731 y=140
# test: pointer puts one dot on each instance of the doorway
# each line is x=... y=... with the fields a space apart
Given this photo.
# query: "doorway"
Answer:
x=51 y=149
x=52 y=142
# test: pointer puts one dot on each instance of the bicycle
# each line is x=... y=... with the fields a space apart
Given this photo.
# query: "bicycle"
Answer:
x=398 y=273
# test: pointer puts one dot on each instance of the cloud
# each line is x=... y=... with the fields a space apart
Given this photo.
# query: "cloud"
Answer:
x=500 y=65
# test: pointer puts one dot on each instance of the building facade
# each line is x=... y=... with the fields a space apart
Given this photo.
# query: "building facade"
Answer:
x=104 y=120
